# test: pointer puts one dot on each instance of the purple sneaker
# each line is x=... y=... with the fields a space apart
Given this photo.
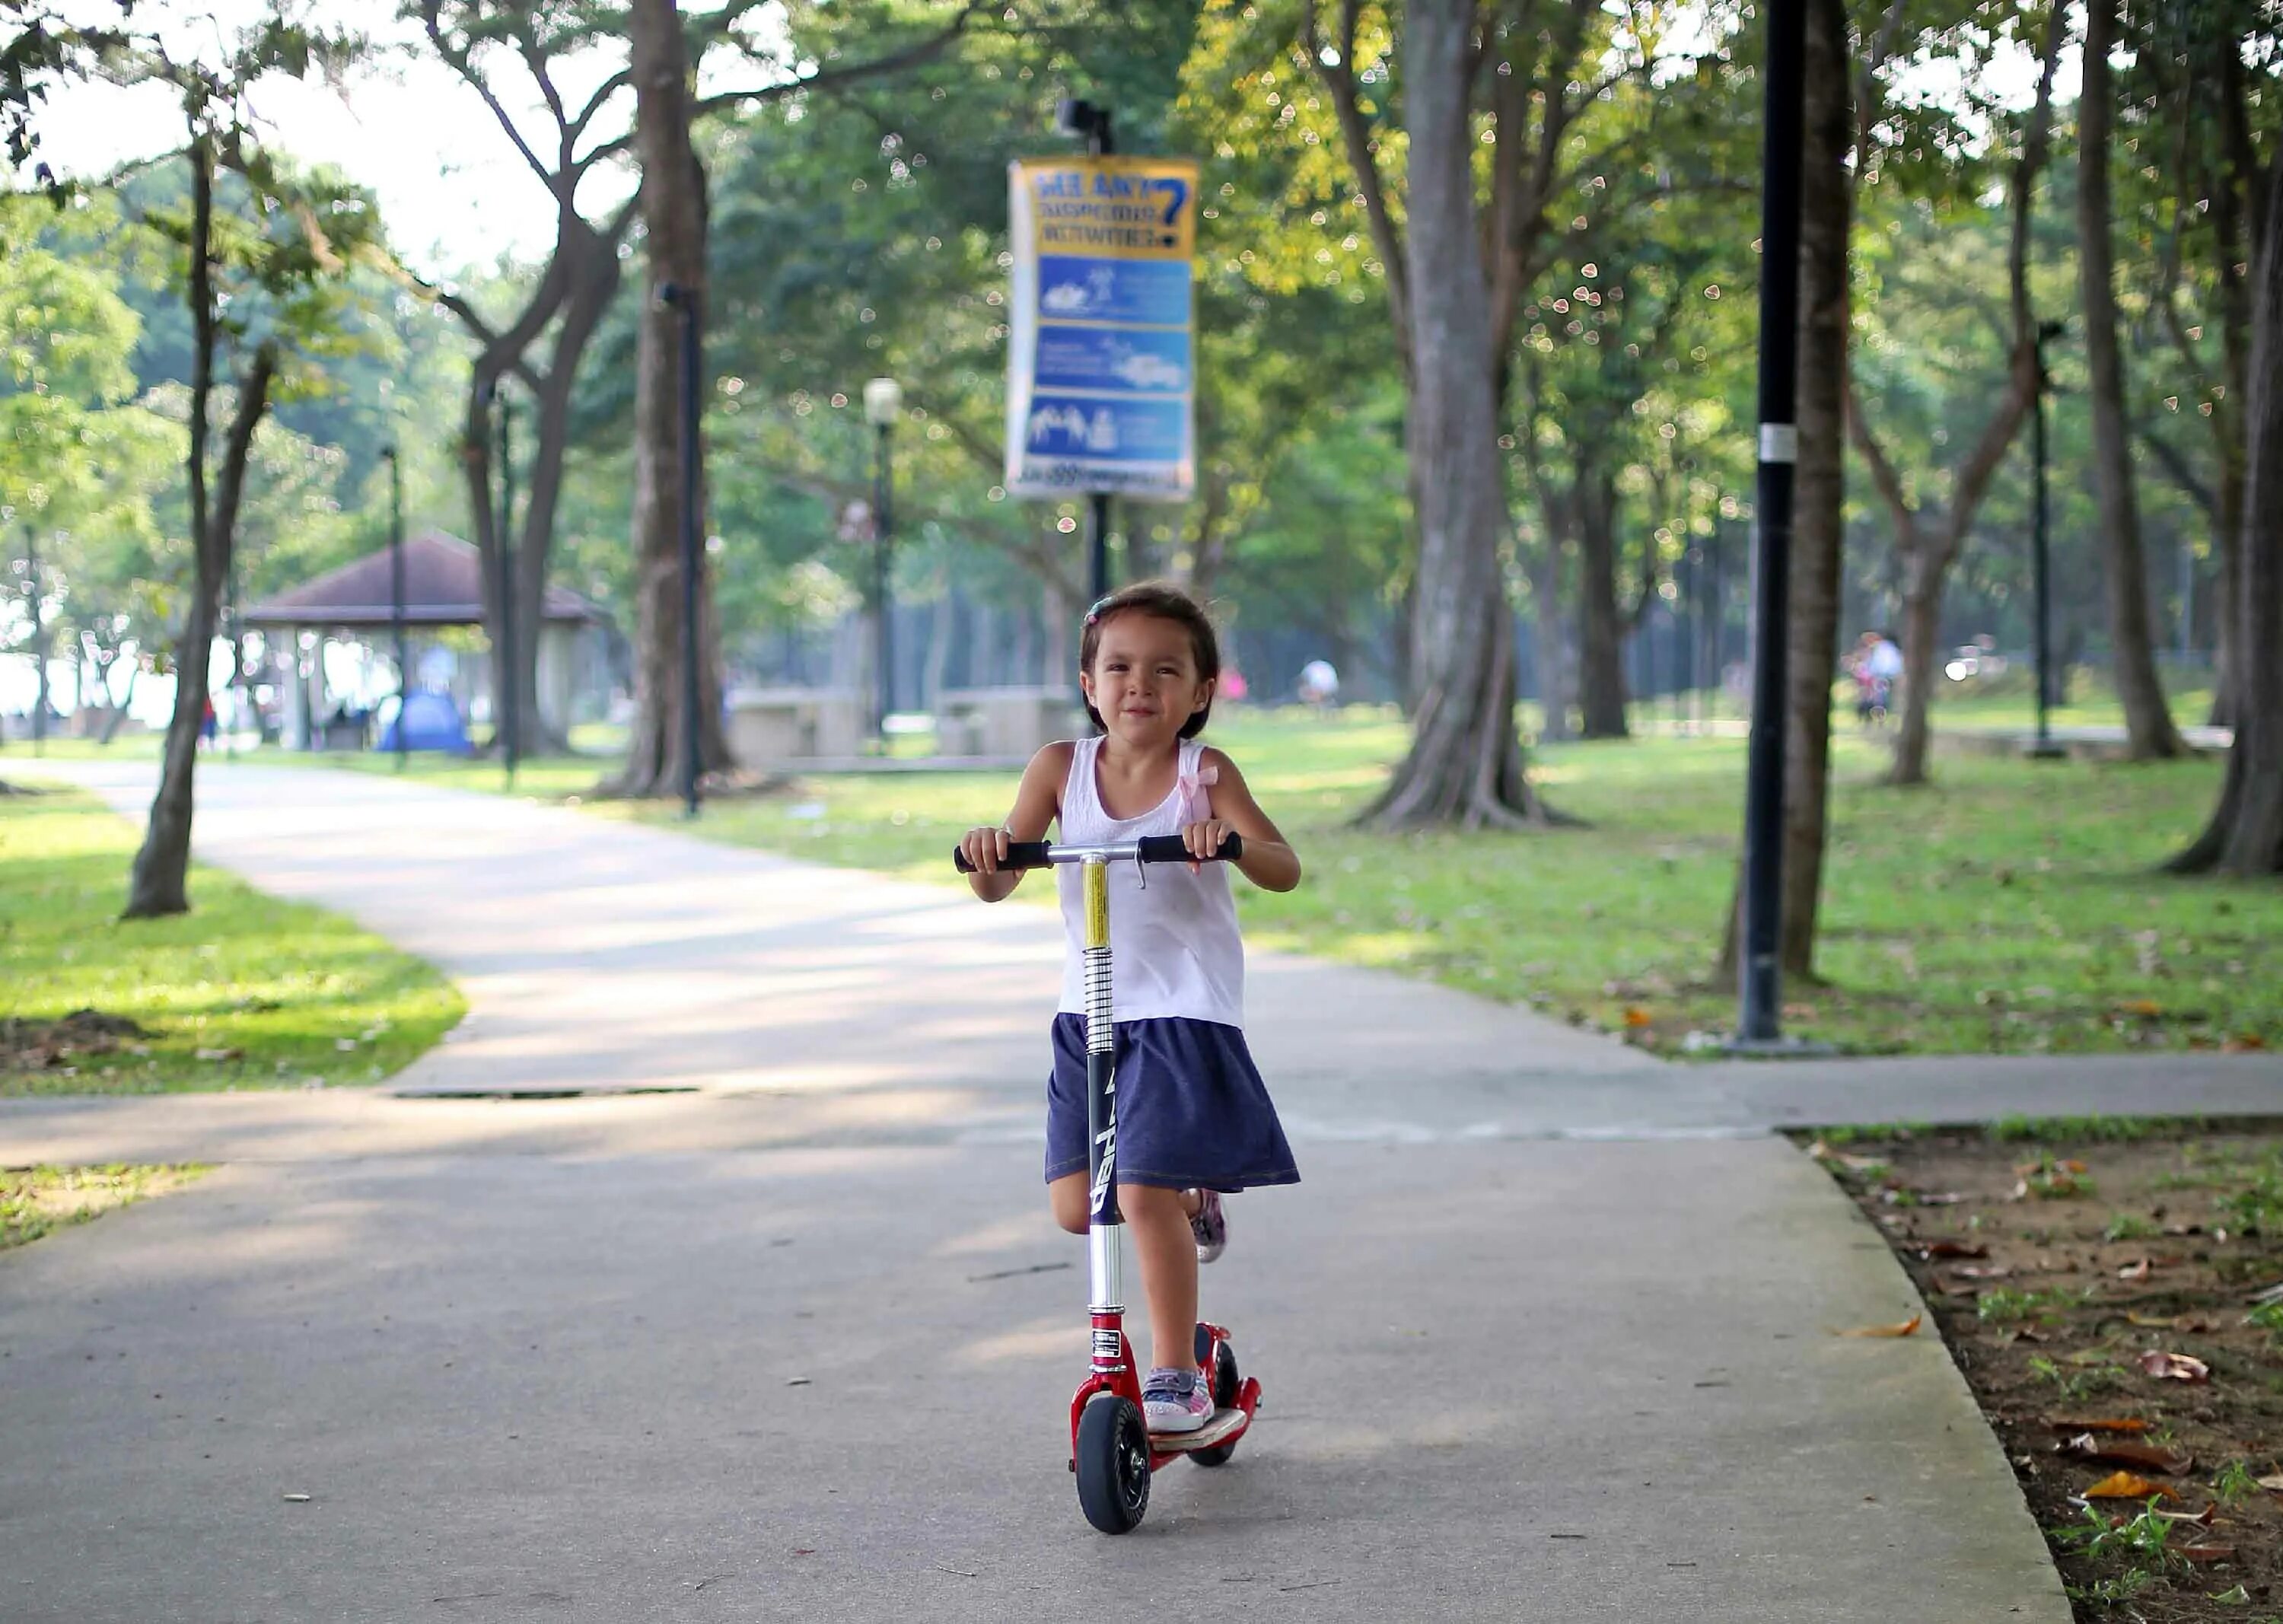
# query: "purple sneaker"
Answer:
x=1210 y=1226
x=1176 y=1401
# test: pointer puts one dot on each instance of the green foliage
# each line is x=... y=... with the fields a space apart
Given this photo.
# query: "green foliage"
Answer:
x=36 y=1201
x=2071 y=1385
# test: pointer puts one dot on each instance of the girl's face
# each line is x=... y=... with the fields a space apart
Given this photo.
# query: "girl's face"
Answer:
x=1144 y=681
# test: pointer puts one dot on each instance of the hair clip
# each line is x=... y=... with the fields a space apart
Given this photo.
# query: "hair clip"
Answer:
x=1095 y=613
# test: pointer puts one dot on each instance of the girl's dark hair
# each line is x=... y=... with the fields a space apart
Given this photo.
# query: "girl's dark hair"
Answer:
x=1168 y=602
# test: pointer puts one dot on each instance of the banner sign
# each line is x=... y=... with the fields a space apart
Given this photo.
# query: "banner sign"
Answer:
x=1101 y=385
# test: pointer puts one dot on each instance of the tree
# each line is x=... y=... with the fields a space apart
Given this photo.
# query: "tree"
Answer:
x=563 y=309
x=2147 y=719
x=1928 y=538
x=2245 y=835
x=270 y=277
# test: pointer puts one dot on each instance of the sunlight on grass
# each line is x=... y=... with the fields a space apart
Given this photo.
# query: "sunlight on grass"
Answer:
x=2011 y=906
x=35 y=1202
x=244 y=991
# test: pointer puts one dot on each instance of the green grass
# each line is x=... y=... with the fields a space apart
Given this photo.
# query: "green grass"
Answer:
x=276 y=994
x=35 y=1201
x=2011 y=907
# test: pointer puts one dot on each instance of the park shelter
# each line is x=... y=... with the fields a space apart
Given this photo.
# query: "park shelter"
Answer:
x=443 y=591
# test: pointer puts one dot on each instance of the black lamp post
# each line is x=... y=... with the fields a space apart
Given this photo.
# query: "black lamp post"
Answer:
x=1084 y=117
x=2044 y=749
x=396 y=593
x=883 y=402
x=1760 y=972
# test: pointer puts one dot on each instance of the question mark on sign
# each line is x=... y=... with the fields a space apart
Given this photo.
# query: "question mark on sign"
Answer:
x=1178 y=194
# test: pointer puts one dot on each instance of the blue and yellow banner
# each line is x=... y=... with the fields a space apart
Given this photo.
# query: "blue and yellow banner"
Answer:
x=1101 y=379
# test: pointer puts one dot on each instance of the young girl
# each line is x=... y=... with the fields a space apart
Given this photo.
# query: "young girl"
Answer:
x=1194 y=1119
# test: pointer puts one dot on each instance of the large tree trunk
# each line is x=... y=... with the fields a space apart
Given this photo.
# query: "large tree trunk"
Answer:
x=160 y=882
x=1921 y=659
x=1465 y=765
x=2246 y=833
x=2147 y=719
x=1600 y=624
x=674 y=214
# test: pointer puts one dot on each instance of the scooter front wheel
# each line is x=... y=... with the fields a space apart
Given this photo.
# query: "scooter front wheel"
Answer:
x=1113 y=1463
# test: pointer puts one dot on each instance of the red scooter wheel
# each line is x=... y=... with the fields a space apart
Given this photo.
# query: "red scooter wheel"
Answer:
x=1113 y=1463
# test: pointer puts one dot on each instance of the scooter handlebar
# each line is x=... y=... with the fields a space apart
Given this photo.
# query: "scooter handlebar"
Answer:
x=1149 y=848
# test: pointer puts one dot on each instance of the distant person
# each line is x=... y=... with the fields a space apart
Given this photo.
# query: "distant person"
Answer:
x=1875 y=664
x=1319 y=685
x=1233 y=685
x=208 y=724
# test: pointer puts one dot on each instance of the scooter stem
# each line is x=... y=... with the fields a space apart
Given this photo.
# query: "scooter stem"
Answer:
x=1105 y=1251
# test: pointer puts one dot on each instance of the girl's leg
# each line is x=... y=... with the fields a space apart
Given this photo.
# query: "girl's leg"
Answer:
x=1068 y=1195
x=1160 y=1221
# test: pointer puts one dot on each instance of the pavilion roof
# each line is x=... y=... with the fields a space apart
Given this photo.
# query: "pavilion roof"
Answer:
x=443 y=586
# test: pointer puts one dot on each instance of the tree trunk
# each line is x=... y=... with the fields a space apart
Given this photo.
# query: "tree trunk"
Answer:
x=1552 y=669
x=2245 y=835
x=159 y=882
x=2147 y=719
x=119 y=711
x=674 y=214
x=1465 y=765
x=1601 y=689
x=1921 y=659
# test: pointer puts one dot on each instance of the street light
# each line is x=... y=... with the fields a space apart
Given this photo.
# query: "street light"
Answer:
x=883 y=403
x=2045 y=749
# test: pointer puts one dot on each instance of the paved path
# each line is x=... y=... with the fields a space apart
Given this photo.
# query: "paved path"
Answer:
x=1545 y=1335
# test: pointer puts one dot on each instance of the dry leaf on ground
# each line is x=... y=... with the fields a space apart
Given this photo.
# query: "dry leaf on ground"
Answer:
x=1929 y=1249
x=2124 y=1485
x=1902 y=1330
x=2072 y=1424
x=2149 y=1457
x=2174 y=1367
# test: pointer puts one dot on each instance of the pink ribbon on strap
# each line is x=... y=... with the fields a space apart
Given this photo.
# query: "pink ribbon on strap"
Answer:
x=1196 y=806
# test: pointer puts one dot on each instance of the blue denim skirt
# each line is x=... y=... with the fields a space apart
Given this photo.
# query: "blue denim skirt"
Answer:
x=1192 y=1110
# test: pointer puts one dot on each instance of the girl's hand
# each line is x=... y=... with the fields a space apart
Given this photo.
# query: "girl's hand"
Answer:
x=1204 y=839
x=985 y=848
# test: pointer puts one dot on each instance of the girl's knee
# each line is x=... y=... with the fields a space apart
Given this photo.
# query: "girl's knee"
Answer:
x=1067 y=1196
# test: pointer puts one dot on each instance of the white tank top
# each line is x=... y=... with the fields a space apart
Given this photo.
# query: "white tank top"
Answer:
x=1173 y=943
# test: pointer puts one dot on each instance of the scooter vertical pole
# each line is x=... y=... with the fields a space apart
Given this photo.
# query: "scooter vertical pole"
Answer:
x=1105 y=1258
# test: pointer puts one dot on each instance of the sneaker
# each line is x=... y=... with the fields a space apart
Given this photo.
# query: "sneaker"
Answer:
x=1176 y=1401
x=1210 y=1226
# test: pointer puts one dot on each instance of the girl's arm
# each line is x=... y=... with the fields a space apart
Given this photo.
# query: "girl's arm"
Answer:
x=1036 y=802
x=1269 y=861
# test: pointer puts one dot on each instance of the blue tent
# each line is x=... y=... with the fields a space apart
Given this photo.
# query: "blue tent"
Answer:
x=431 y=720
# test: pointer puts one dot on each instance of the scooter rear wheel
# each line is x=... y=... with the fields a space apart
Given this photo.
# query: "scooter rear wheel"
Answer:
x=1226 y=1386
x=1113 y=1463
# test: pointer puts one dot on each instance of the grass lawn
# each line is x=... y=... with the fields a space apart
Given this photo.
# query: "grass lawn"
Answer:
x=2011 y=907
x=35 y=1200
x=244 y=991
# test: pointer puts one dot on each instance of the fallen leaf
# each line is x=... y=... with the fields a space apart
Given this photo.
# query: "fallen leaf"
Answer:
x=2149 y=1457
x=1952 y=1249
x=2194 y=1324
x=2203 y=1519
x=1978 y=1271
x=2072 y=1424
x=2124 y=1485
x=2237 y=1597
x=2272 y=1483
x=1902 y=1330
x=2174 y=1367
x=2028 y=1333
x=2146 y=1009
x=2134 y=1271
x=2149 y=1322
x=2207 y=1553
x=2243 y=1043
x=1637 y=1017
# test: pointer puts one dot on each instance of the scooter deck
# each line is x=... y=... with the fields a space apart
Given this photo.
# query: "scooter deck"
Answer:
x=1224 y=1426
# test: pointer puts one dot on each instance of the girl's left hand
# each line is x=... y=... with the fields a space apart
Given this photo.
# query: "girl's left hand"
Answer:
x=1203 y=839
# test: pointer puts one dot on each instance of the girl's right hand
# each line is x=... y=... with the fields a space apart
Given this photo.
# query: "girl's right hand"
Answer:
x=985 y=848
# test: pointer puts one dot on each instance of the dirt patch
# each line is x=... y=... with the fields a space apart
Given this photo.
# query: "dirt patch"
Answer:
x=2105 y=1286
x=35 y=1201
x=35 y=1045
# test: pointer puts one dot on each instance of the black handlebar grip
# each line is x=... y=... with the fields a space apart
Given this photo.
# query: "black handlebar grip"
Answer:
x=1020 y=855
x=1170 y=848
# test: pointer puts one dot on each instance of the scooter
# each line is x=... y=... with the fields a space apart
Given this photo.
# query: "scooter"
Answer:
x=1112 y=1451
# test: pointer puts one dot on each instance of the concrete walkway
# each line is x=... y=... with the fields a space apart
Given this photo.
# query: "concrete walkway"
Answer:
x=1545 y=1334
